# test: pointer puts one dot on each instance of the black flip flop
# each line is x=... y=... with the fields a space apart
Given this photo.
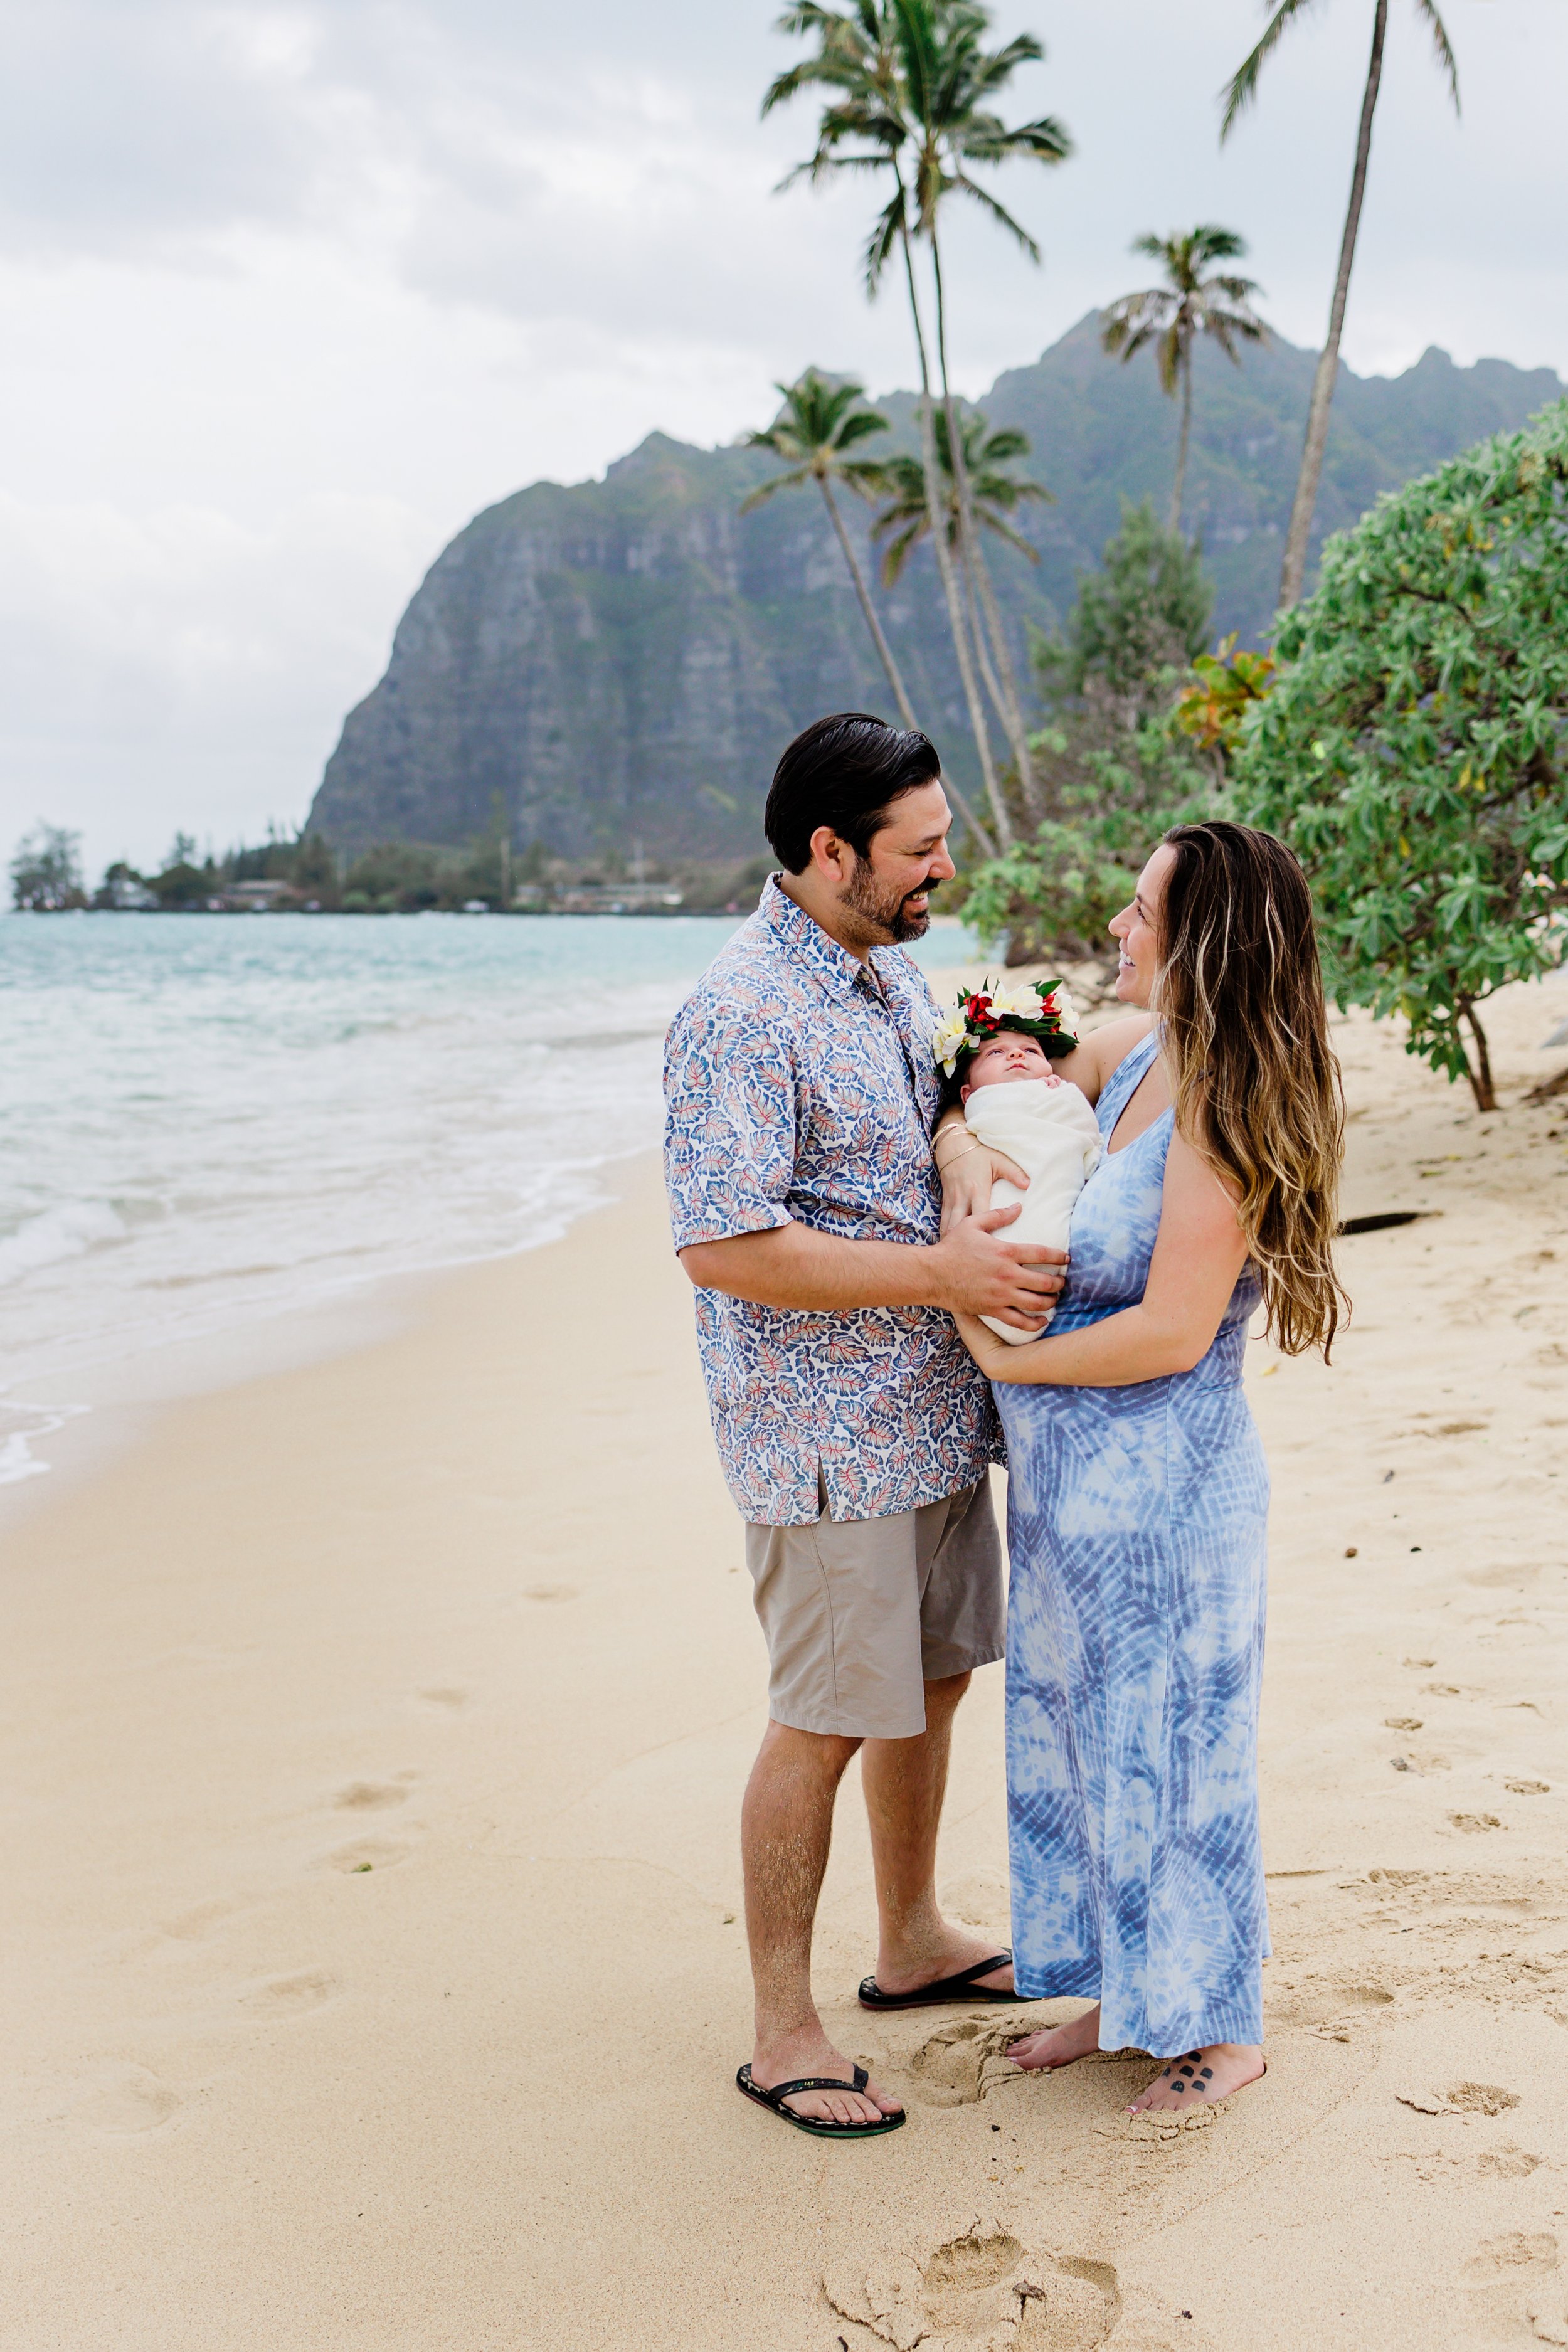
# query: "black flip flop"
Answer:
x=946 y=1991
x=819 y=2127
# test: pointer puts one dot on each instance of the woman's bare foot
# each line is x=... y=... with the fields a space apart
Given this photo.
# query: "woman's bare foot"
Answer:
x=1059 y=2045
x=793 y=2056
x=1211 y=2074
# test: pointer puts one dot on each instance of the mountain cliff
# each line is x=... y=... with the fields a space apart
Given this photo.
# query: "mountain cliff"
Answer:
x=619 y=662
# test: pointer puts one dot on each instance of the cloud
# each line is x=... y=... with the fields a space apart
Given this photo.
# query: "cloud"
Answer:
x=292 y=287
x=179 y=653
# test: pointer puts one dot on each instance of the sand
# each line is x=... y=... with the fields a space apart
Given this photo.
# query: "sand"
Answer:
x=467 y=1606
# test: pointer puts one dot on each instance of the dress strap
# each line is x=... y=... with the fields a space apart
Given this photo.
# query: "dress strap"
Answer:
x=1124 y=1082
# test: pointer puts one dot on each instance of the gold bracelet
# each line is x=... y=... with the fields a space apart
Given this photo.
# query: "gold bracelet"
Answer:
x=944 y=1165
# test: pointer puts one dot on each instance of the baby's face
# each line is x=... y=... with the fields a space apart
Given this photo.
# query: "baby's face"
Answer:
x=1009 y=1054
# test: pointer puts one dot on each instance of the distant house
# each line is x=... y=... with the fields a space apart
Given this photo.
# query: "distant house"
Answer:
x=258 y=897
x=612 y=898
x=126 y=895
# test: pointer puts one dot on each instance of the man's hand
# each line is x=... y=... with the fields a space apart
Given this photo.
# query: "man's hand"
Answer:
x=982 y=1272
x=973 y=1270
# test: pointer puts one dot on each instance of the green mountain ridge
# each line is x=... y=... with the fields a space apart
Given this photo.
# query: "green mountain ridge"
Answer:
x=606 y=664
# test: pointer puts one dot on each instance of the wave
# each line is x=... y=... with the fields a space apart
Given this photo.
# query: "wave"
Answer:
x=70 y=1230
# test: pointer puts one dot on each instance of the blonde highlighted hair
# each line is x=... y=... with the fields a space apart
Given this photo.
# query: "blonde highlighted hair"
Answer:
x=1255 y=1080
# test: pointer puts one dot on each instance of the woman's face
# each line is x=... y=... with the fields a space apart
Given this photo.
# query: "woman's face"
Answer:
x=1136 y=930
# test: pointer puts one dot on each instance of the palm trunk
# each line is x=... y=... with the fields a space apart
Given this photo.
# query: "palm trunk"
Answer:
x=937 y=522
x=906 y=709
x=1002 y=687
x=895 y=679
x=1180 y=484
x=1295 y=566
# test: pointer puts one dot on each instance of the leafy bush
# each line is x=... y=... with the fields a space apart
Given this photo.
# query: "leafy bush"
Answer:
x=1112 y=771
x=1413 y=750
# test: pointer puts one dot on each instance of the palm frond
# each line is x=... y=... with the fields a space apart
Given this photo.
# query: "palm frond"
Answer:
x=764 y=490
x=1443 y=45
x=1005 y=531
x=998 y=213
x=885 y=231
x=1242 y=86
x=1043 y=142
x=1209 y=242
x=899 y=549
x=1135 y=320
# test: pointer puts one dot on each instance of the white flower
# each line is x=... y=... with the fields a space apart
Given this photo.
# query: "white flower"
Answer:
x=1067 y=1012
x=950 y=1031
x=1016 y=1004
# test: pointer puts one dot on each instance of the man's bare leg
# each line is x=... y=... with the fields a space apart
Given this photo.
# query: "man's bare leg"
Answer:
x=786 y=1829
x=905 y=1781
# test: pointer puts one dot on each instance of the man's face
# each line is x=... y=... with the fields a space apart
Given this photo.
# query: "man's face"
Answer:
x=888 y=890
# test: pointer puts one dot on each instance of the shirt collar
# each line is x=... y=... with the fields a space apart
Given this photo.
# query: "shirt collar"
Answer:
x=804 y=935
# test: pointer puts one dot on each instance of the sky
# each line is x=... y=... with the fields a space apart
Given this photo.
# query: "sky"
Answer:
x=291 y=291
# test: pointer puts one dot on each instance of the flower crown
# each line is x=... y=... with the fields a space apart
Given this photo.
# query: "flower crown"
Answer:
x=1043 y=1010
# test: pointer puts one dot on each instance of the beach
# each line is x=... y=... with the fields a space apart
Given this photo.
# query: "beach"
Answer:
x=374 y=1733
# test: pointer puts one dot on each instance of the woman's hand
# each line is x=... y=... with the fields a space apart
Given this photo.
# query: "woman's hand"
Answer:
x=997 y=1359
x=968 y=1171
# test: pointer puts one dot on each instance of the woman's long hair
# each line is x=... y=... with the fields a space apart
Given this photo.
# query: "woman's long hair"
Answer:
x=1254 y=1081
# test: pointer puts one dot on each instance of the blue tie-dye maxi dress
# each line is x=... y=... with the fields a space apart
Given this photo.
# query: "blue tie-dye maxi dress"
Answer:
x=1136 y=1526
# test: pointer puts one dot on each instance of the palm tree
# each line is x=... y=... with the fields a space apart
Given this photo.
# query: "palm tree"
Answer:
x=995 y=492
x=951 y=81
x=1240 y=93
x=815 y=433
x=1174 y=315
x=907 y=78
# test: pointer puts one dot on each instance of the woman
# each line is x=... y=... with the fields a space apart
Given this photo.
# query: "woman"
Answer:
x=1138 y=1493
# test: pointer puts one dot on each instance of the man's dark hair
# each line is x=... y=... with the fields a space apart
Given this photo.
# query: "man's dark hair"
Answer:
x=845 y=771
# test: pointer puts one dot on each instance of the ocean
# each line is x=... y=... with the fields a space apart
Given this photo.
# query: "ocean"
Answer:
x=210 y=1119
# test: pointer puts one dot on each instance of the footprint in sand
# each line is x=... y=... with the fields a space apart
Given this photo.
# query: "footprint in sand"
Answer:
x=979 y=2289
x=1460 y=2099
x=366 y=1795
x=1528 y=1787
x=964 y=2061
x=1515 y=2288
x=124 y=2102
x=1472 y=1825
x=446 y=1701
x=291 y=1995
x=367 y=1855
x=1508 y=2163
x=202 y=1921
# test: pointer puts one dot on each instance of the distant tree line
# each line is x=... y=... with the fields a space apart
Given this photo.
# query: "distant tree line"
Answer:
x=302 y=873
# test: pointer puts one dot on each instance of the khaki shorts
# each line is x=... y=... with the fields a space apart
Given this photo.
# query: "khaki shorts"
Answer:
x=861 y=1615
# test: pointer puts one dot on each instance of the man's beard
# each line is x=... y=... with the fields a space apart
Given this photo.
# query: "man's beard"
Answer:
x=884 y=917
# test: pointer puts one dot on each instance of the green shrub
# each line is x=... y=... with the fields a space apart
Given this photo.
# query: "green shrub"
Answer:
x=1413 y=749
x=1113 y=770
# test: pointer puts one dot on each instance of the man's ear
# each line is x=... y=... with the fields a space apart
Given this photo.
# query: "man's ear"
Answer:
x=829 y=851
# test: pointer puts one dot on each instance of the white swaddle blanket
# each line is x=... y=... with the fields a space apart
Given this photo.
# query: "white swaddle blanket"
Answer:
x=1047 y=1127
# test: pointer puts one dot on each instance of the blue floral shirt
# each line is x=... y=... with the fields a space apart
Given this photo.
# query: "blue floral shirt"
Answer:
x=799 y=1090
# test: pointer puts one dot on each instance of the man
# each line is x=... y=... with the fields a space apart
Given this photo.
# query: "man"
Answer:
x=855 y=1433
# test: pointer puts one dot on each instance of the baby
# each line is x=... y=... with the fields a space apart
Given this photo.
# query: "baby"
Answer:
x=1014 y=1102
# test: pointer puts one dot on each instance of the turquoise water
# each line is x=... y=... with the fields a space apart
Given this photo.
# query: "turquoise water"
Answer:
x=212 y=1118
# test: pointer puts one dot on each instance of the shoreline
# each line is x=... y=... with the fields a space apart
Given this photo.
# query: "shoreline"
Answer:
x=466 y=1603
